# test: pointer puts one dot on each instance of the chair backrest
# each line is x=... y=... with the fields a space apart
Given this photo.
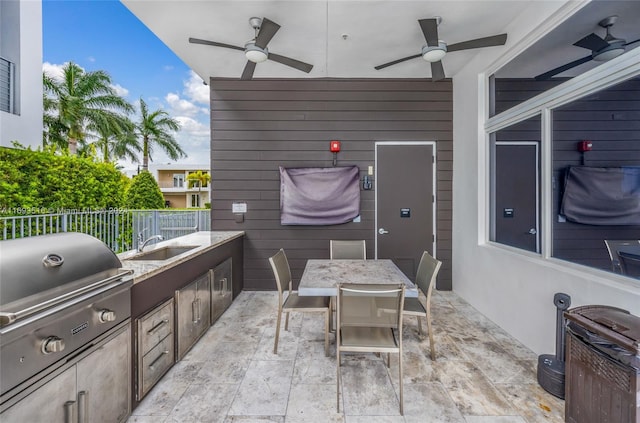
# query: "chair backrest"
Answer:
x=613 y=245
x=427 y=271
x=370 y=305
x=347 y=249
x=281 y=270
x=630 y=265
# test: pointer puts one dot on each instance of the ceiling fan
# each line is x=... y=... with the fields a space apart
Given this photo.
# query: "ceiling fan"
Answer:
x=602 y=49
x=256 y=50
x=436 y=49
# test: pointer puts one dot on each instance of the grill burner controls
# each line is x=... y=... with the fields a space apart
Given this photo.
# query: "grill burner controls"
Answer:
x=106 y=316
x=52 y=344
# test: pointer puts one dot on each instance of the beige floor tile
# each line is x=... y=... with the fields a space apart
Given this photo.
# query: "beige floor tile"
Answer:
x=254 y=419
x=471 y=391
x=494 y=419
x=367 y=389
x=374 y=419
x=207 y=403
x=429 y=402
x=534 y=403
x=264 y=389
x=228 y=363
x=313 y=403
x=312 y=366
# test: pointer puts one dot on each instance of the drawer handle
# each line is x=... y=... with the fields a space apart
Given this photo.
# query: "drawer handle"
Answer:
x=69 y=411
x=158 y=326
x=195 y=311
x=82 y=407
x=162 y=354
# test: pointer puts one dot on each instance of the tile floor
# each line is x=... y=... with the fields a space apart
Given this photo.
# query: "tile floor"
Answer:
x=481 y=374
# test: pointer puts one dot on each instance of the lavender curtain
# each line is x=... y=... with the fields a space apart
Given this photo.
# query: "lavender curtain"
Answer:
x=602 y=195
x=319 y=196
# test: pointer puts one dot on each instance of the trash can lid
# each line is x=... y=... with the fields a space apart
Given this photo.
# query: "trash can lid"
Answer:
x=614 y=324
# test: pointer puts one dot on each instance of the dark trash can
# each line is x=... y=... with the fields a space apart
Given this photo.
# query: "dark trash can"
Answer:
x=602 y=365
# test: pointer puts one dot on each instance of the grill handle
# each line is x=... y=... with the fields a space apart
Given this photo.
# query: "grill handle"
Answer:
x=82 y=407
x=8 y=318
x=69 y=411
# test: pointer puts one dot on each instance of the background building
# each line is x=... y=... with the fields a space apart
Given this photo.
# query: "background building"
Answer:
x=173 y=182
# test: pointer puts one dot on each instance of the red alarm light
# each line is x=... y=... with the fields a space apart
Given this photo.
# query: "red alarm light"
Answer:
x=334 y=146
x=584 y=146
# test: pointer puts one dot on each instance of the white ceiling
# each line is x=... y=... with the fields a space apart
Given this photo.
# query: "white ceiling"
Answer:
x=312 y=31
x=346 y=39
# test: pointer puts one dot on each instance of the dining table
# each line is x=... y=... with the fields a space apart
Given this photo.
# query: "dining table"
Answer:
x=322 y=276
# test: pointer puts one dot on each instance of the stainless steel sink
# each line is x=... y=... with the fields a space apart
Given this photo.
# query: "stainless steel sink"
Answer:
x=162 y=253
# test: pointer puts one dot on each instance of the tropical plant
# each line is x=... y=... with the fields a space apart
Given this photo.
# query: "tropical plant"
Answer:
x=144 y=193
x=79 y=104
x=198 y=178
x=154 y=128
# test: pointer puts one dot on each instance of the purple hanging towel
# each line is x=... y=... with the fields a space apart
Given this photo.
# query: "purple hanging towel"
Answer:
x=319 y=196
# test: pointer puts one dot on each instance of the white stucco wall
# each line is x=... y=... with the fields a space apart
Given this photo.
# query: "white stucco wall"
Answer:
x=513 y=289
x=26 y=126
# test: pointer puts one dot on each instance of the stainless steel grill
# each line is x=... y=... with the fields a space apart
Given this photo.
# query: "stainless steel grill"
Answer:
x=58 y=293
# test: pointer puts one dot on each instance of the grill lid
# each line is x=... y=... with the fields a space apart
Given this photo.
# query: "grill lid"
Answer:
x=40 y=271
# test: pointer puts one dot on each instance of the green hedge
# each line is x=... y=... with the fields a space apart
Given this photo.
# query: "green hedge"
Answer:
x=37 y=182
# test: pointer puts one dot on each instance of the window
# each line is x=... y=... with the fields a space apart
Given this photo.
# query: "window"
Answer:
x=195 y=200
x=582 y=124
x=178 y=180
x=7 y=85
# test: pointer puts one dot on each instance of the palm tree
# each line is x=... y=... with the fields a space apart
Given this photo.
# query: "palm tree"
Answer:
x=200 y=178
x=119 y=145
x=154 y=129
x=80 y=102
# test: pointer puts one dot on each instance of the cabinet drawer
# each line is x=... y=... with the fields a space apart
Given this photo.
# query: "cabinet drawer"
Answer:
x=155 y=364
x=155 y=326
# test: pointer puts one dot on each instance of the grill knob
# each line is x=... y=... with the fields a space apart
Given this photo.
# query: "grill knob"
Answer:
x=107 y=316
x=52 y=344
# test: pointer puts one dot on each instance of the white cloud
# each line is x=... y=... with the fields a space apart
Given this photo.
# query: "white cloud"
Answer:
x=195 y=90
x=181 y=107
x=120 y=90
x=193 y=127
x=53 y=70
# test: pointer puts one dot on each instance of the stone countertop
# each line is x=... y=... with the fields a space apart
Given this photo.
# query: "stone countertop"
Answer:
x=201 y=241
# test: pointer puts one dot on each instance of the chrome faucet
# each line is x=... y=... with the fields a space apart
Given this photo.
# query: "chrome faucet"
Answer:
x=142 y=244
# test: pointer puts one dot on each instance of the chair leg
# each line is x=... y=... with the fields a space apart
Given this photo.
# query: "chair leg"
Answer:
x=286 y=322
x=338 y=380
x=327 y=315
x=432 y=347
x=400 y=383
x=275 y=344
x=419 y=325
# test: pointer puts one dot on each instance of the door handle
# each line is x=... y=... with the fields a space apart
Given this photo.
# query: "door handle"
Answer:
x=382 y=231
x=532 y=231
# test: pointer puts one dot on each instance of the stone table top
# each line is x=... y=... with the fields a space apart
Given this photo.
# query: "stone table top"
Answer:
x=321 y=277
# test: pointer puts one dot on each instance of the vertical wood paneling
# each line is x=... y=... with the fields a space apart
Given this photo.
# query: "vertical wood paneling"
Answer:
x=259 y=125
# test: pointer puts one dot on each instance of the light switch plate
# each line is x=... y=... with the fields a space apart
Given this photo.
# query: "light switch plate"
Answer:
x=370 y=171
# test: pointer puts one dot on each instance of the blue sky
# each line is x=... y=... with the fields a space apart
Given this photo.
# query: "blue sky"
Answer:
x=104 y=35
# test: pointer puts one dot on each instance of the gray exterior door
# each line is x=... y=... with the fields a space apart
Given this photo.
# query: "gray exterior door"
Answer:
x=405 y=202
x=516 y=195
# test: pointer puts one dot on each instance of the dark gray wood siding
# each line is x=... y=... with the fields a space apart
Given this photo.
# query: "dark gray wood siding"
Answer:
x=259 y=125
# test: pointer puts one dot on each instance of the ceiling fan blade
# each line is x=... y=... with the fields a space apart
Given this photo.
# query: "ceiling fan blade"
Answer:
x=215 y=44
x=267 y=30
x=632 y=42
x=552 y=72
x=592 y=42
x=247 y=73
x=404 y=59
x=494 y=40
x=296 y=64
x=430 y=30
x=437 y=71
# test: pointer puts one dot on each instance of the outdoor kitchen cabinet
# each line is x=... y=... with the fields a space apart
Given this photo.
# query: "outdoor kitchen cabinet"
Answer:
x=221 y=288
x=193 y=305
x=154 y=346
x=93 y=389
